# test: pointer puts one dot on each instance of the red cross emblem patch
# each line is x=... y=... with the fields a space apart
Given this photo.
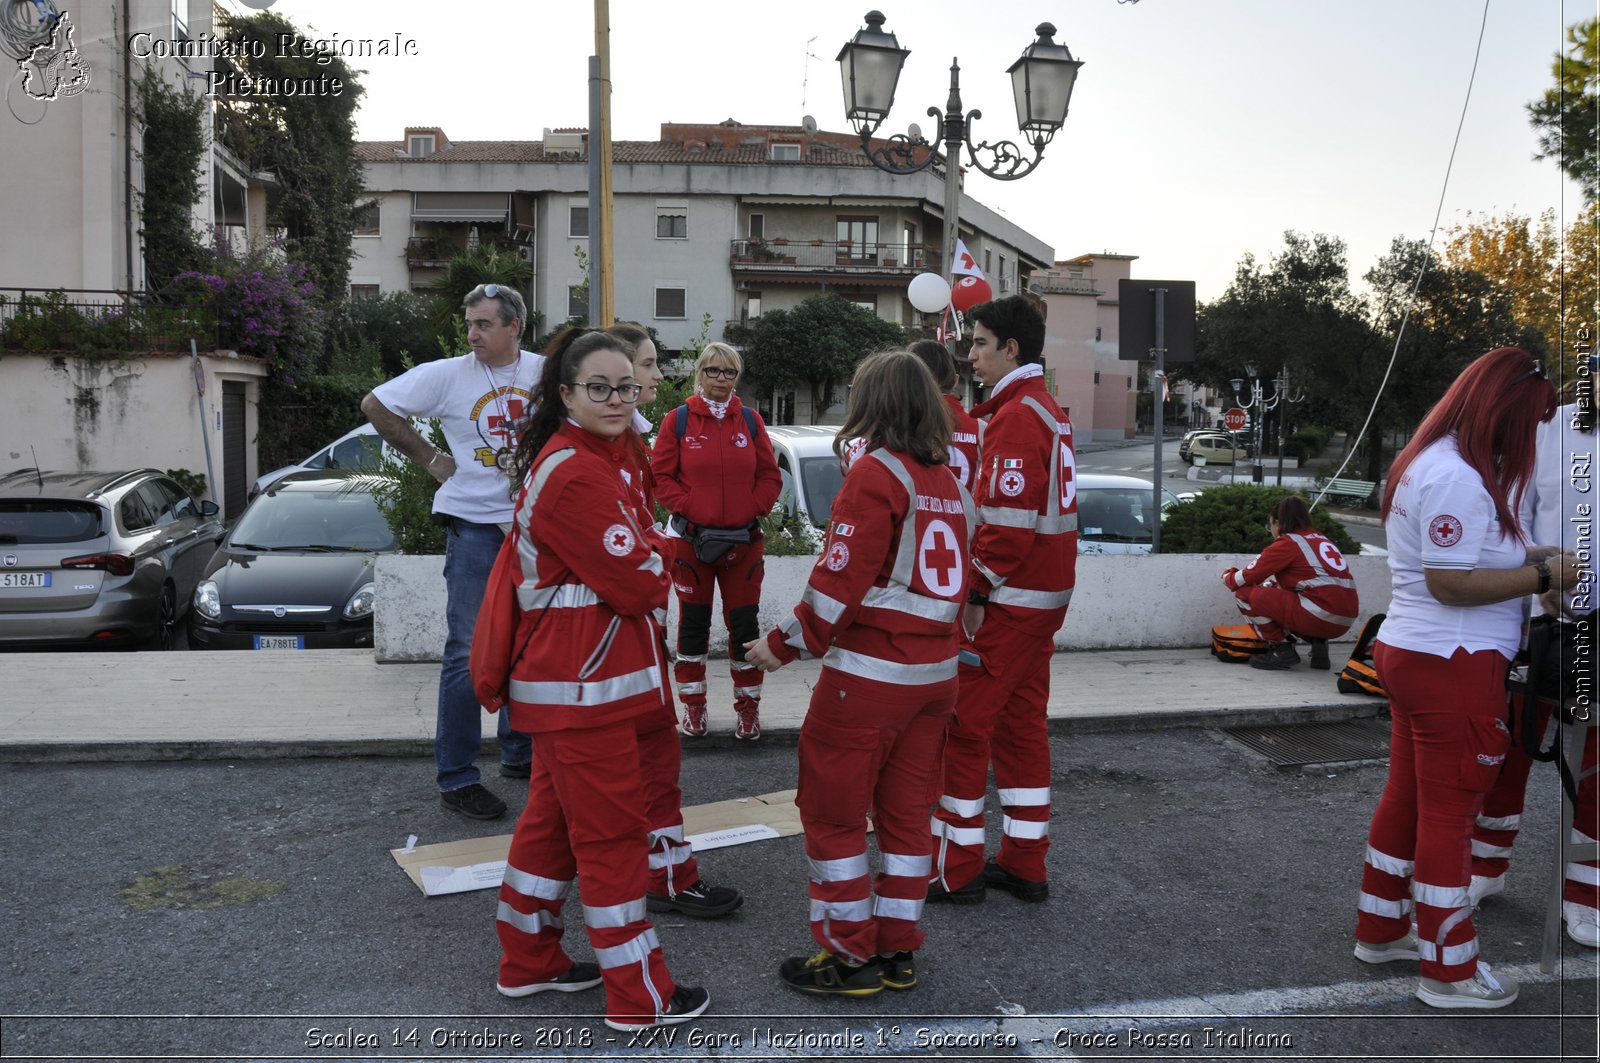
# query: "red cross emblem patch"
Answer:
x=619 y=540
x=1444 y=530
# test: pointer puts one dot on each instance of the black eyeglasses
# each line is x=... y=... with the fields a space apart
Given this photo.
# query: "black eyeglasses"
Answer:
x=717 y=372
x=1536 y=371
x=602 y=392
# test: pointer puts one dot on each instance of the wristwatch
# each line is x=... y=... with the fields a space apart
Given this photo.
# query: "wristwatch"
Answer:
x=976 y=598
x=1544 y=575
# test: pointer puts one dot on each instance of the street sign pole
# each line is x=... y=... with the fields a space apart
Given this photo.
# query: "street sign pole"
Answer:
x=1157 y=386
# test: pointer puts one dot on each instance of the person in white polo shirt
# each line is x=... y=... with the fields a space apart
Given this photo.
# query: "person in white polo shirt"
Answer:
x=1461 y=561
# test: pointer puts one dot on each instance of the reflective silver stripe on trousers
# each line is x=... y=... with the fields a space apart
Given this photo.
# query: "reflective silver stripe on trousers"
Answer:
x=1500 y=822
x=1451 y=955
x=667 y=834
x=1485 y=851
x=1391 y=865
x=899 y=865
x=1333 y=618
x=843 y=869
x=691 y=658
x=665 y=858
x=968 y=836
x=897 y=908
x=561 y=596
x=686 y=689
x=528 y=922
x=527 y=553
x=1025 y=795
x=828 y=609
x=1378 y=906
x=635 y=951
x=1030 y=599
x=753 y=693
x=531 y=885
x=1440 y=896
x=1325 y=581
x=612 y=916
x=961 y=806
x=847 y=911
x=602 y=692
x=742 y=666
x=887 y=671
x=901 y=600
x=1584 y=874
x=1025 y=828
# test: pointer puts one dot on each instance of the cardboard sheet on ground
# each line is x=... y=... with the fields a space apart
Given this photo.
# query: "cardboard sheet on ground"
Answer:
x=480 y=863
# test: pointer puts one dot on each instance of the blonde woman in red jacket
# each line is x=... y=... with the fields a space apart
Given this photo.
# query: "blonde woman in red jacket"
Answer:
x=714 y=469
x=578 y=660
x=881 y=611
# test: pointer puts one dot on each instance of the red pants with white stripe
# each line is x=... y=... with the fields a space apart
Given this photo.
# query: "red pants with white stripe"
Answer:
x=1272 y=611
x=738 y=576
x=672 y=862
x=1496 y=829
x=585 y=817
x=872 y=746
x=1000 y=716
x=1447 y=742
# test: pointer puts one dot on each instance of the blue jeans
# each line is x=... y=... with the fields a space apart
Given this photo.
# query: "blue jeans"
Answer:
x=469 y=554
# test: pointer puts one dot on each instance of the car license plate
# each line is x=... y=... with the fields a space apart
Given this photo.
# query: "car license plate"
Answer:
x=24 y=579
x=280 y=642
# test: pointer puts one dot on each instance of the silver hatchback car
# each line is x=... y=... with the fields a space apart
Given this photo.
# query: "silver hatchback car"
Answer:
x=99 y=558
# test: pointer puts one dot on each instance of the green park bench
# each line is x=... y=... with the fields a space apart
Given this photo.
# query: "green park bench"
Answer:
x=1358 y=491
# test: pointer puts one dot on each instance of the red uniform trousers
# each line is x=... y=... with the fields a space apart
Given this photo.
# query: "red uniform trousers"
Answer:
x=1272 y=611
x=1447 y=743
x=738 y=575
x=870 y=746
x=672 y=862
x=585 y=816
x=1497 y=825
x=1000 y=715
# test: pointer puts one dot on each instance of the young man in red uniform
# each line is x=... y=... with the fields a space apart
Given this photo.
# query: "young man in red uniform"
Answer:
x=1024 y=561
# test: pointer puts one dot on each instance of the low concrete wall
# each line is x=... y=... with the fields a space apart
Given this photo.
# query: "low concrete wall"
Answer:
x=1166 y=600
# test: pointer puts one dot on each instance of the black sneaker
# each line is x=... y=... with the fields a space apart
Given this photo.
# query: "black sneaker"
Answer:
x=1279 y=655
x=474 y=801
x=898 y=970
x=702 y=901
x=578 y=976
x=515 y=771
x=1319 y=655
x=971 y=893
x=1021 y=888
x=827 y=975
x=688 y=1002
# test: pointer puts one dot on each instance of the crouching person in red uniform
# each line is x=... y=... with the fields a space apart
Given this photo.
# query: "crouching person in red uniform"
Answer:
x=576 y=653
x=1301 y=584
x=881 y=611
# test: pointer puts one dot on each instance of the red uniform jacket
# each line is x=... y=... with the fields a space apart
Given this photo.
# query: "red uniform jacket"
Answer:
x=883 y=600
x=966 y=441
x=1310 y=565
x=1025 y=551
x=579 y=645
x=715 y=475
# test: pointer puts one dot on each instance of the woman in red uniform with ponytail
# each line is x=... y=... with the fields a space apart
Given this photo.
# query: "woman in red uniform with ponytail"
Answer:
x=881 y=611
x=966 y=431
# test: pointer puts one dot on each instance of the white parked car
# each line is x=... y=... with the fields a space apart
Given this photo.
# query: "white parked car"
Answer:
x=810 y=468
x=359 y=448
x=1115 y=513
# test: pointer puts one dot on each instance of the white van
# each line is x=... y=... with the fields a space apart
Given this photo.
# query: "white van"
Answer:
x=810 y=468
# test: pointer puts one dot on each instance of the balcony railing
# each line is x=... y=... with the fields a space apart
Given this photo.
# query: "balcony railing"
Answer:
x=1062 y=286
x=90 y=321
x=829 y=256
x=437 y=250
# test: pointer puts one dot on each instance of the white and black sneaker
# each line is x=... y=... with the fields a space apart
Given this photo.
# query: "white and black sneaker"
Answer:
x=688 y=1002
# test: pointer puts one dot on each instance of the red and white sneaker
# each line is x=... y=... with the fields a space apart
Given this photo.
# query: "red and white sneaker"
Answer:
x=694 y=719
x=748 y=727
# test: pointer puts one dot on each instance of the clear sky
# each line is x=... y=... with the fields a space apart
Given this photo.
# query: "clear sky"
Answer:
x=1200 y=129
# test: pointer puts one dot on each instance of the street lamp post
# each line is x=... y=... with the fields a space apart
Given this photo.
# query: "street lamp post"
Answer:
x=1263 y=404
x=1041 y=83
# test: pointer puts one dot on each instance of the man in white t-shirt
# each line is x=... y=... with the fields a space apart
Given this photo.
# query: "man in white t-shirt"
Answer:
x=480 y=400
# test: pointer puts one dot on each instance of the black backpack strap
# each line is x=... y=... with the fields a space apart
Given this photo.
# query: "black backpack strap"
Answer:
x=680 y=423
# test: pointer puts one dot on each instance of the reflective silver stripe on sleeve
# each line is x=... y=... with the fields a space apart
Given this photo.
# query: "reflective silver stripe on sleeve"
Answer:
x=843 y=911
x=601 y=692
x=636 y=951
x=1451 y=955
x=995 y=581
x=902 y=600
x=1584 y=874
x=1030 y=599
x=843 y=869
x=886 y=671
x=961 y=806
x=794 y=635
x=1006 y=517
x=1385 y=908
x=1500 y=822
x=829 y=609
x=967 y=836
x=1333 y=618
x=1485 y=851
x=905 y=558
x=1066 y=522
x=1025 y=828
x=1025 y=795
x=528 y=922
x=1440 y=896
x=561 y=596
x=1391 y=865
x=897 y=908
x=900 y=865
x=613 y=916
x=530 y=885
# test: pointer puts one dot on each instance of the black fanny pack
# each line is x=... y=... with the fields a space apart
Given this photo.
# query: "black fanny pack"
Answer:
x=712 y=544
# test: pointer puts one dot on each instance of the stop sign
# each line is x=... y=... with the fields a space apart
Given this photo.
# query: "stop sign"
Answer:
x=1235 y=420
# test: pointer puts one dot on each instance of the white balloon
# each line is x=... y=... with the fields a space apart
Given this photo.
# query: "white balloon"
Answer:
x=929 y=292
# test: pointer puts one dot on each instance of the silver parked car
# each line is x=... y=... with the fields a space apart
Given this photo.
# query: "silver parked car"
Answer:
x=99 y=558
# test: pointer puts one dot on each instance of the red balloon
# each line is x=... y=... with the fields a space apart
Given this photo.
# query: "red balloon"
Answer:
x=968 y=292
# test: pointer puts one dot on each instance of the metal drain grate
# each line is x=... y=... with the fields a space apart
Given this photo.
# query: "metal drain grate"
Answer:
x=1297 y=745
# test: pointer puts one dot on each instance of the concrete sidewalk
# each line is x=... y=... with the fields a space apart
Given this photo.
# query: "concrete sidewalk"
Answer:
x=245 y=706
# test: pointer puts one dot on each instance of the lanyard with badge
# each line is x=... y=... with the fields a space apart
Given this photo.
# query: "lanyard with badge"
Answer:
x=503 y=456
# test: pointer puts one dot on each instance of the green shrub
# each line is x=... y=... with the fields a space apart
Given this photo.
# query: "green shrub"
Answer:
x=192 y=482
x=1232 y=519
x=405 y=491
x=300 y=416
x=791 y=536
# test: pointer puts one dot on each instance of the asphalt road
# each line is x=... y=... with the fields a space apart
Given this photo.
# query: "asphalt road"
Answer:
x=210 y=910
